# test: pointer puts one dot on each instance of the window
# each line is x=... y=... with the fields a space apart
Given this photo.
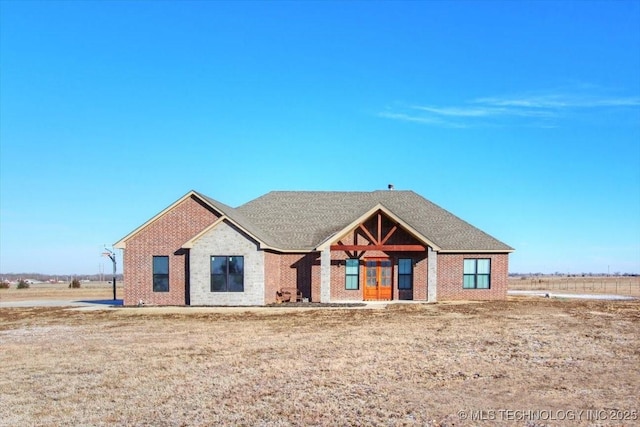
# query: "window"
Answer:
x=160 y=274
x=477 y=274
x=352 y=274
x=405 y=273
x=227 y=274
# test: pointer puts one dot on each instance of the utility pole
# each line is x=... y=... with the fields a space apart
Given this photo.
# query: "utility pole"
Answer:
x=111 y=254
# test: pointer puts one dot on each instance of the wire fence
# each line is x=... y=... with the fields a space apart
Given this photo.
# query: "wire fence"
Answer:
x=603 y=285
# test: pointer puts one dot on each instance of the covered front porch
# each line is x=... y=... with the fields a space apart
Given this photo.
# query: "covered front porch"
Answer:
x=378 y=258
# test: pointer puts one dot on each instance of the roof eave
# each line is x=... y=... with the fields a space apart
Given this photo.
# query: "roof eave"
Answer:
x=476 y=251
x=289 y=251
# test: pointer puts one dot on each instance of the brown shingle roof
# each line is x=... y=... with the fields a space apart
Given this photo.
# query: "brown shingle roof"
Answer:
x=238 y=217
x=302 y=220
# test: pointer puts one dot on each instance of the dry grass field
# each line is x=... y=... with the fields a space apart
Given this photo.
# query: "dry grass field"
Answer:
x=61 y=291
x=620 y=285
x=409 y=364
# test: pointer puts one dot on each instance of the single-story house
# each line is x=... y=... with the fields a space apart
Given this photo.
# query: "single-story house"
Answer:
x=331 y=246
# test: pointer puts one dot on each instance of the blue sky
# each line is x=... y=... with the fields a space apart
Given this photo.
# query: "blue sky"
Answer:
x=523 y=118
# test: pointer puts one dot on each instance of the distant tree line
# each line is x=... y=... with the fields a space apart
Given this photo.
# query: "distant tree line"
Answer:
x=559 y=274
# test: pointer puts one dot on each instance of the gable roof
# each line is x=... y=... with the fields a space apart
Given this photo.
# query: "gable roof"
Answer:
x=362 y=218
x=300 y=221
x=226 y=212
x=306 y=219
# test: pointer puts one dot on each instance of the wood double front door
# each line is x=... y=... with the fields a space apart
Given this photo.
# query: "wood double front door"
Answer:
x=378 y=279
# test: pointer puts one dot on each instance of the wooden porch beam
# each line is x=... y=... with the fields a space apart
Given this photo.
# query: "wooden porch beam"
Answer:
x=393 y=230
x=389 y=248
x=349 y=254
x=369 y=236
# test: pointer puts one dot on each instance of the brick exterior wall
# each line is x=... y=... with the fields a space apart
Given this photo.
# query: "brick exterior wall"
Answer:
x=420 y=273
x=226 y=240
x=164 y=236
x=271 y=276
x=450 y=276
x=284 y=270
x=338 y=279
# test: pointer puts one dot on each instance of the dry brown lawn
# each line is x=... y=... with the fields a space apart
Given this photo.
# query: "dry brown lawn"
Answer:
x=620 y=285
x=61 y=291
x=412 y=364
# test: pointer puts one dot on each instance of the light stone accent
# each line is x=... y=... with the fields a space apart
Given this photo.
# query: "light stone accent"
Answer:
x=325 y=275
x=432 y=275
x=225 y=240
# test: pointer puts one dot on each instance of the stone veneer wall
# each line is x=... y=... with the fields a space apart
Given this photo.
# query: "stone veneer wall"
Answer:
x=226 y=240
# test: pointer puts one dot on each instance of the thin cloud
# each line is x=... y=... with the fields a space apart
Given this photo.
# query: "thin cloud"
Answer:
x=419 y=119
x=620 y=102
x=536 y=102
x=482 y=111
x=548 y=108
x=559 y=102
x=458 y=111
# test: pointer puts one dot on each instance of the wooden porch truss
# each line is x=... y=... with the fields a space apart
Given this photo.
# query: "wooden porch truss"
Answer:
x=376 y=243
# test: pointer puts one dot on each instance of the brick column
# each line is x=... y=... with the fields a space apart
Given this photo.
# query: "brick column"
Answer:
x=432 y=275
x=325 y=275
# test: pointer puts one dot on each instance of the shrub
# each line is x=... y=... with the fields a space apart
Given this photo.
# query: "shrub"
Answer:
x=75 y=283
x=22 y=284
x=4 y=285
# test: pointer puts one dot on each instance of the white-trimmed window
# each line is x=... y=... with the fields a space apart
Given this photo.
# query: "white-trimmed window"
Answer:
x=477 y=274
